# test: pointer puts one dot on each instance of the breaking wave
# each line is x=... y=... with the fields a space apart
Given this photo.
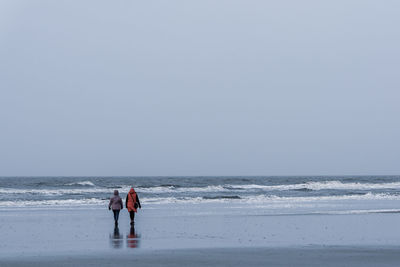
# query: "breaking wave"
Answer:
x=89 y=187
x=261 y=199
x=319 y=186
x=222 y=197
x=265 y=199
x=84 y=183
x=56 y=203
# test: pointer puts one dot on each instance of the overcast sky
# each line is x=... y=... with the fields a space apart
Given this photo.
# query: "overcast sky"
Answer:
x=210 y=87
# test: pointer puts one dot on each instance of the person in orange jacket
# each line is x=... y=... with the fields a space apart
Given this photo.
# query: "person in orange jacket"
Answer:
x=132 y=203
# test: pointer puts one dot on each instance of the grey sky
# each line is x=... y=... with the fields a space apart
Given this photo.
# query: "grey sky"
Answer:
x=199 y=87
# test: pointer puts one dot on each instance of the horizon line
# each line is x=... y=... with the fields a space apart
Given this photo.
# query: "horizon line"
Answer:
x=192 y=176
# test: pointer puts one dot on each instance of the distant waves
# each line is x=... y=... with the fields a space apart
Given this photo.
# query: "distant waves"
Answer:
x=289 y=191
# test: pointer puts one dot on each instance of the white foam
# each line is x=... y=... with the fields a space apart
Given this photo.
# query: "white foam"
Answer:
x=84 y=183
x=255 y=187
x=61 y=202
x=207 y=189
x=171 y=189
x=365 y=211
x=51 y=192
x=154 y=190
x=318 y=199
x=261 y=199
x=319 y=186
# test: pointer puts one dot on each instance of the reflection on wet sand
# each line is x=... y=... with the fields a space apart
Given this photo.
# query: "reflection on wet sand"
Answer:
x=116 y=239
x=132 y=239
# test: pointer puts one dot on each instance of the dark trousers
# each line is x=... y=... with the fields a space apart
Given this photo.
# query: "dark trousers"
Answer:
x=132 y=215
x=116 y=215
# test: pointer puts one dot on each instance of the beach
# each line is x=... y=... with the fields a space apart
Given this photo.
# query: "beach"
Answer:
x=215 y=221
x=349 y=256
x=176 y=235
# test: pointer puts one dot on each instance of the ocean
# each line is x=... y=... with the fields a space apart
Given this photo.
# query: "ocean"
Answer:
x=265 y=194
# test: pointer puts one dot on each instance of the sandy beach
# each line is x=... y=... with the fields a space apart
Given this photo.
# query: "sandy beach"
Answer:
x=176 y=235
x=316 y=256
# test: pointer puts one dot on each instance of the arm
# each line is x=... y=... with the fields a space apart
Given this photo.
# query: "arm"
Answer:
x=126 y=202
x=122 y=204
x=109 y=204
x=137 y=200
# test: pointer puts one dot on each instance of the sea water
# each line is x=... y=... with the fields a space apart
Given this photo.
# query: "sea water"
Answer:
x=243 y=195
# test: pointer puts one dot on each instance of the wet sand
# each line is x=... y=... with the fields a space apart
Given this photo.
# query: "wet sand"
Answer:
x=315 y=256
x=196 y=235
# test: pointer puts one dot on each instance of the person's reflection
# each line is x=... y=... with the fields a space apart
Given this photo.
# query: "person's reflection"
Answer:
x=132 y=239
x=116 y=239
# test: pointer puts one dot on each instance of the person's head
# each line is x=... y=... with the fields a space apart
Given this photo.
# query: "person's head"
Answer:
x=116 y=192
x=132 y=190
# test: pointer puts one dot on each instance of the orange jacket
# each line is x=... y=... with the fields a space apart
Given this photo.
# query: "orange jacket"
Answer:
x=131 y=199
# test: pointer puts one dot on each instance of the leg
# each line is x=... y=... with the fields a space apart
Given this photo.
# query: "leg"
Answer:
x=116 y=215
x=132 y=215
